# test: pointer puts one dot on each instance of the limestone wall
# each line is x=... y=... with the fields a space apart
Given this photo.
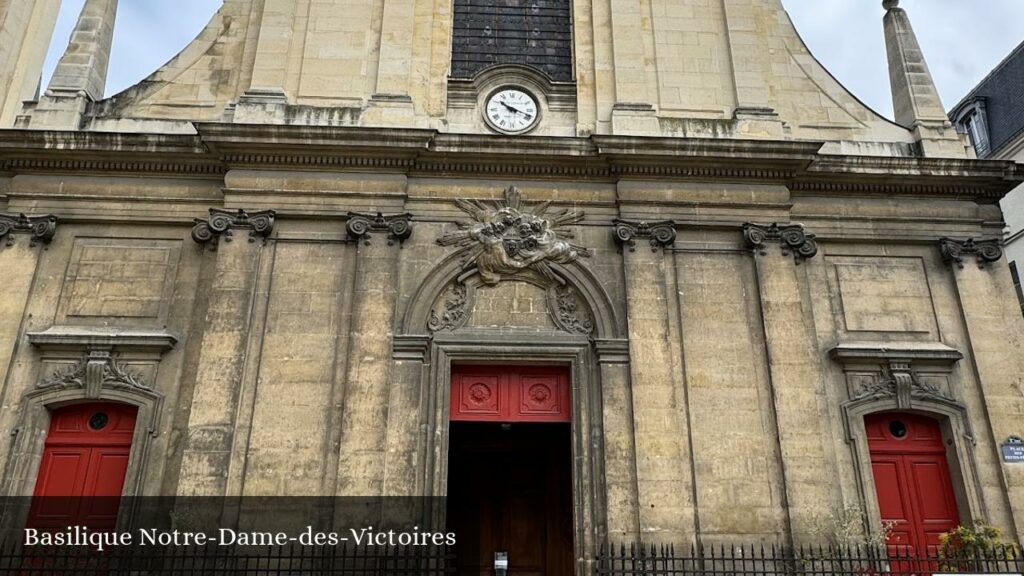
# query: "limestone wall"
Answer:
x=719 y=375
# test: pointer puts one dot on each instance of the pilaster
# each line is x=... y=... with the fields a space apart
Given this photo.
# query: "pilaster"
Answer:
x=664 y=478
x=365 y=414
x=794 y=370
x=22 y=238
x=995 y=330
x=236 y=239
x=633 y=112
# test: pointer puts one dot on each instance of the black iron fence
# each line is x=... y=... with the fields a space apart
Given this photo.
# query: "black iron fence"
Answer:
x=621 y=560
x=290 y=560
x=648 y=560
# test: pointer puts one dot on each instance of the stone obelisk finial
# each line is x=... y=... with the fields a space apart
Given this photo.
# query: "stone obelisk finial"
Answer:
x=81 y=74
x=915 y=98
x=83 y=68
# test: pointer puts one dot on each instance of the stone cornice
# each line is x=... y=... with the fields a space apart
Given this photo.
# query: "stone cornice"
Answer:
x=982 y=179
x=33 y=151
x=218 y=147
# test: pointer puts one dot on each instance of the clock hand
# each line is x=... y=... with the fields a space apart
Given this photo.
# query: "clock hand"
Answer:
x=512 y=108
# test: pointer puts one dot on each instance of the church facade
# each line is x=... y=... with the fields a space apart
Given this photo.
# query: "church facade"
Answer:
x=639 y=266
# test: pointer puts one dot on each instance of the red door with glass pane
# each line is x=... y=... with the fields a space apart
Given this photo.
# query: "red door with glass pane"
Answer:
x=82 y=473
x=915 y=492
x=510 y=394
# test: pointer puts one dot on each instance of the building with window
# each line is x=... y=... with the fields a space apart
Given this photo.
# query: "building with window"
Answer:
x=593 y=271
x=992 y=115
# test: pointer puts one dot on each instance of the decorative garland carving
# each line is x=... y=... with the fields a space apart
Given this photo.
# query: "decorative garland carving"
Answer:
x=792 y=237
x=96 y=371
x=898 y=380
x=661 y=233
x=39 y=228
x=454 y=313
x=221 y=223
x=398 y=226
x=985 y=251
x=568 y=313
x=505 y=238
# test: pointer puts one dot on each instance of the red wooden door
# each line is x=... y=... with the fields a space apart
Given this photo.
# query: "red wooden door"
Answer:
x=915 y=492
x=510 y=394
x=83 y=467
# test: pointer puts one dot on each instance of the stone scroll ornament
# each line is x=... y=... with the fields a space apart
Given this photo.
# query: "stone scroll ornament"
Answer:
x=505 y=237
x=221 y=222
x=38 y=228
x=984 y=251
x=792 y=237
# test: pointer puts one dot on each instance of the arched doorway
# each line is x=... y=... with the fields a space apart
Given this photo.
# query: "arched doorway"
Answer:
x=82 y=473
x=912 y=479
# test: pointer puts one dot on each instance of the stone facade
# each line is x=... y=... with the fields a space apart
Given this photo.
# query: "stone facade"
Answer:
x=287 y=299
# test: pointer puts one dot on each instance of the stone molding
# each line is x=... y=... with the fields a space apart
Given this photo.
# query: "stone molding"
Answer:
x=221 y=223
x=219 y=147
x=40 y=229
x=59 y=337
x=984 y=251
x=397 y=226
x=661 y=234
x=792 y=237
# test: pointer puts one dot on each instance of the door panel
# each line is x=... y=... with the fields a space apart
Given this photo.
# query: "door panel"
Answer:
x=912 y=480
x=510 y=394
x=83 y=468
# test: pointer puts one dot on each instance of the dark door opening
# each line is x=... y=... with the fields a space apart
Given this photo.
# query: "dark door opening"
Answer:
x=510 y=490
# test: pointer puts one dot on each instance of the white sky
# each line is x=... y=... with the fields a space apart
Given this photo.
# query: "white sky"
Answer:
x=962 y=39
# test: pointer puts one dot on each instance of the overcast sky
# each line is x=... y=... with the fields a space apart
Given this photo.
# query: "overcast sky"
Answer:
x=962 y=39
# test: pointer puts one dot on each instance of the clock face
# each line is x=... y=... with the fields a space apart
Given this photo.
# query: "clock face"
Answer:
x=511 y=111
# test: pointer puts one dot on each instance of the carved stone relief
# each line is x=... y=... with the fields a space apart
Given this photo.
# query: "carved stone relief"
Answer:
x=792 y=237
x=984 y=251
x=452 y=313
x=900 y=381
x=569 y=314
x=221 y=223
x=505 y=237
x=98 y=370
x=38 y=228
x=397 y=226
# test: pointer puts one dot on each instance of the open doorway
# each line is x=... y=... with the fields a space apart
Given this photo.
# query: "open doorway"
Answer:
x=510 y=472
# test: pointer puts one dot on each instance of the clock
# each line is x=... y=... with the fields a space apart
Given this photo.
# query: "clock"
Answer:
x=511 y=110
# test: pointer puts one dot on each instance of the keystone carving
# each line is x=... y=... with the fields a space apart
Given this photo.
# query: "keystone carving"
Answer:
x=222 y=222
x=505 y=237
x=454 y=312
x=398 y=226
x=96 y=371
x=39 y=228
x=985 y=251
x=792 y=237
x=661 y=233
x=898 y=380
